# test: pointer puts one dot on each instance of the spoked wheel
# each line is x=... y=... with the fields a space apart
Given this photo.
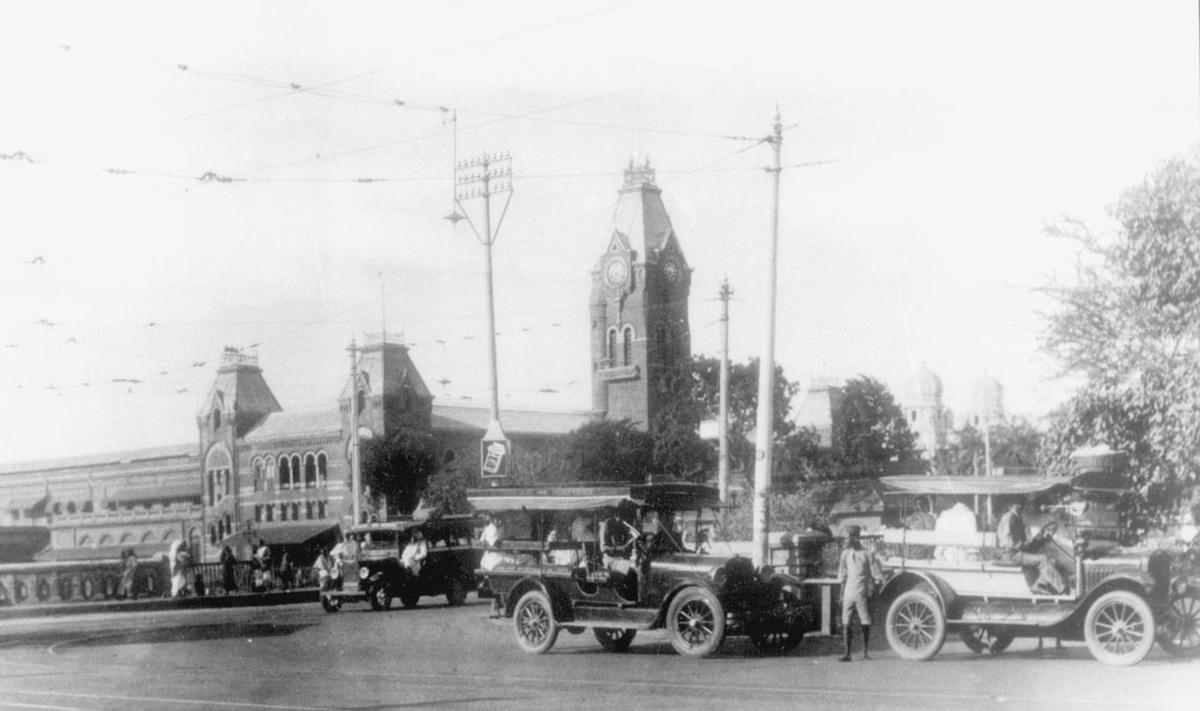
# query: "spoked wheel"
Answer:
x=613 y=639
x=381 y=598
x=985 y=638
x=696 y=622
x=1119 y=628
x=781 y=631
x=1179 y=633
x=916 y=626
x=533 y=620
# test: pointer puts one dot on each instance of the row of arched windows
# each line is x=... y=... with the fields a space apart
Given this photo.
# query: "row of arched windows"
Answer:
x=306 y=510
x=620 y=346
x=128 y=538
x=290 y=471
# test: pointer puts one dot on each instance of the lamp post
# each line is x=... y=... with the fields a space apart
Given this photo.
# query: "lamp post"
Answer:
x=355 y=467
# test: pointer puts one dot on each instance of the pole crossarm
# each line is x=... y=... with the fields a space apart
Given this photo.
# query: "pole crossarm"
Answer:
x=482 y=177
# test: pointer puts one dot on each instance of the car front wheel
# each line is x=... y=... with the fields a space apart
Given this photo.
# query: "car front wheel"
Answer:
x=916 y=626
x=614 y=640
x=1119 y=628
x=533 y=620
x=1180 y=631
x=696 y=622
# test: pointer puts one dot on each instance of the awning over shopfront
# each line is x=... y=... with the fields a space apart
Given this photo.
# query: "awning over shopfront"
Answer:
x=968 y=485
x=36 y=503
x=283 y=535
x=177 y=491
x=674 y=495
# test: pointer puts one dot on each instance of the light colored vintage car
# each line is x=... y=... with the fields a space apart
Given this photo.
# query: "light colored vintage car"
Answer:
x=1120 y=599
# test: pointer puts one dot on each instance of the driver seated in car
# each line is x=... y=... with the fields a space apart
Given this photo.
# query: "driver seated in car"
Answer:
x=1011 y=536
x=617 y=537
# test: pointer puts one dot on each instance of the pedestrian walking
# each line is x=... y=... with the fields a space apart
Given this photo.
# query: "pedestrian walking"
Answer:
x=229 y=570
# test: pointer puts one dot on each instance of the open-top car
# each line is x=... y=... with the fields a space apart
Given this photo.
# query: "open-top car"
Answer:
x=1118 y=599
x=448 y=567
x=556 y=570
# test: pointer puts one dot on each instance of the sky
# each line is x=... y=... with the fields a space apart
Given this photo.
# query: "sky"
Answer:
x=927 y=145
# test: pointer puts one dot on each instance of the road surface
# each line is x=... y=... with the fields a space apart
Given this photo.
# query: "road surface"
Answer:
x=298 y=657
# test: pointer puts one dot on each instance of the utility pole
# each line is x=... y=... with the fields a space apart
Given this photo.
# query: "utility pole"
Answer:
x=482 y=177
x=723 y=418
x=355 y=466
x=763 y=454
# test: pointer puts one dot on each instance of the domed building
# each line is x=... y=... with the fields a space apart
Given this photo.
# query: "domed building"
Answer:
x=986 y=403
x=925 y=412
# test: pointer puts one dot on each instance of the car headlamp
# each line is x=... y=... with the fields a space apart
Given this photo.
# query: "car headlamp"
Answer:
x=363 y=573
x=1180 y=586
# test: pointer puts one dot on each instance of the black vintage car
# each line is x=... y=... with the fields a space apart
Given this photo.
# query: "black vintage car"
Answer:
x=448 y=568
x=550 y=582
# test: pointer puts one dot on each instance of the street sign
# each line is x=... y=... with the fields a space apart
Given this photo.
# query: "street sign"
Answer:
x=493 y=458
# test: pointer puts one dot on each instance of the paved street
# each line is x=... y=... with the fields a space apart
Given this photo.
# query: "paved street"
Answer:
x=297 y=657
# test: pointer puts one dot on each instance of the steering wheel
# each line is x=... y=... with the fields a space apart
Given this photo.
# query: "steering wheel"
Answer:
x=1045 y=533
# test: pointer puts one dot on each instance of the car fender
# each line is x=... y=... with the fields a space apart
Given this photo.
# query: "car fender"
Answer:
x=559 y=601
x=908 y=579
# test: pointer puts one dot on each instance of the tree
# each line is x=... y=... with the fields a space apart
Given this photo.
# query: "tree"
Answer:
x=743 y=412
x=399 y=466
x=870 y=433
x=608 y=450
x=446 y=494
x=1013 y=444
x=1130 y=324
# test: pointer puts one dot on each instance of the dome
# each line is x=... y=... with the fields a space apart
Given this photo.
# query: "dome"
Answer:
x=987 y=395
x=927 y=384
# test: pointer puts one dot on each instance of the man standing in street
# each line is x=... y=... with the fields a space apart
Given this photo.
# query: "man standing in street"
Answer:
x=858 y=575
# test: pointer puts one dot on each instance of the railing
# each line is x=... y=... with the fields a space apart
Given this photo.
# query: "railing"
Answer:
x=248 y=578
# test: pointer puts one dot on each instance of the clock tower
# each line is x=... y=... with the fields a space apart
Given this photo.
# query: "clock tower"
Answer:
x=641 y=344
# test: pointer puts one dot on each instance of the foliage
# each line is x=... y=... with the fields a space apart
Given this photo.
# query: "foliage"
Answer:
x=608 y=450
x=399 y=467
x=788 y=511
x=1013 y=444
x=870 y=432
x=1130 y=324
x=677 y=450
x=446 y=494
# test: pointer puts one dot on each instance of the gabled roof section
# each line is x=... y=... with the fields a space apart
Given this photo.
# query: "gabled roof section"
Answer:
x=387 y=368
x=240 y=383
x=640 y=216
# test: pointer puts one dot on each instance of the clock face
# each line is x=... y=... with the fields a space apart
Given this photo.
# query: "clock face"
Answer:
x=671 y=270
x=615 y=272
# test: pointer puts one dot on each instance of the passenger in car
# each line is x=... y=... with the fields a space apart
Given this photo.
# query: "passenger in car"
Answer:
x=415 y=553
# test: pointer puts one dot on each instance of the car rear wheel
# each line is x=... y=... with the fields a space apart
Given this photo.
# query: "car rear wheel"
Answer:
x=1119 y=628
x=457 y=594
x=916 y=626
x=780 y=631
x=986 y=638
x=533 y=620
x=1180 y=631
x=696 y=622
x=614 y=640
x=381 y=598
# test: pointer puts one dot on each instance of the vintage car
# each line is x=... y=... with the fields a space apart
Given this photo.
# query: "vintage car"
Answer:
x=377 y=576
x=697 y=598
x=1119 y=599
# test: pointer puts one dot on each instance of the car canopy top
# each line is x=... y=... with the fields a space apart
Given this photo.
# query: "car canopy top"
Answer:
x=968 y=485
x=676 y=496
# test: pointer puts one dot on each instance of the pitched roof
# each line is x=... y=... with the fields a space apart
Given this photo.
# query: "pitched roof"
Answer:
x=123 y=456
x=466 y=418
x=294 y=423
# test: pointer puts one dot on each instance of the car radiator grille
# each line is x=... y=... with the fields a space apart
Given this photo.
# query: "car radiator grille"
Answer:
x=1094 y=574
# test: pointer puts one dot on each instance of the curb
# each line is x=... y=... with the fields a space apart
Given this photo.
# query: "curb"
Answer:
x=161 y=603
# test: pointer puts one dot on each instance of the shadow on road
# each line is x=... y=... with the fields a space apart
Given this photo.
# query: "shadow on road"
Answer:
x=195 y=633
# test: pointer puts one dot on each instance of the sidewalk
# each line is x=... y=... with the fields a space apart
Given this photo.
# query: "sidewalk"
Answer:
x=17 y=612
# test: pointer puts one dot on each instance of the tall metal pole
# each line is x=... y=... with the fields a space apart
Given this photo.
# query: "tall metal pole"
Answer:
x=723 y=418
x=355 y=467
x=766 y=371
x=483 y=177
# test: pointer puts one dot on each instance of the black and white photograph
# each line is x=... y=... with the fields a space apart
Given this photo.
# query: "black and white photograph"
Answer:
x=635 y=354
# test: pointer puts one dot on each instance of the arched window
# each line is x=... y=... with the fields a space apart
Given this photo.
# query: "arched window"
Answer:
x=212 y=535
x=71 y=507
x=285 y=473
x=296 y=511
x=217 y=465
x=320 y=509
x=297 y=472
x=105 y=540
x=84 y=541
x=322 y=468
x=169 y=535
x=308 y=509
x=220 y=530
x=627 y=345
x=258 y=474
x=216 y=419
x=258 y=513
x=126 y=538
x=283 y=512
x=310 y=470
x=147 y=537
x=612 y=346
x=228 y=525
x=270 y=513
x=269 y=474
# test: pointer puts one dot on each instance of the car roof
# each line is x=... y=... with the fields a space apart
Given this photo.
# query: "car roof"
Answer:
x=967 y=485
x=672 y=495
x=404 y=524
